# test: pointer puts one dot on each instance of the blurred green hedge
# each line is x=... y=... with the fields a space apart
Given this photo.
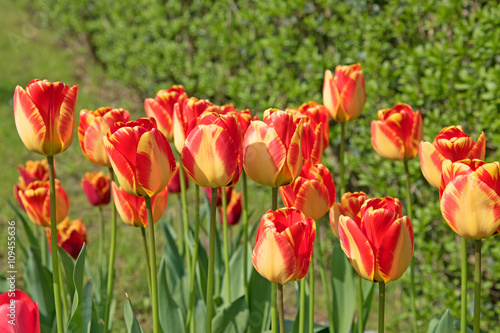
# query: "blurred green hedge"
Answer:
x=442 y=58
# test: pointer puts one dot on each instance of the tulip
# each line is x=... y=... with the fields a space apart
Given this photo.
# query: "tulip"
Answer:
x=318 y=115
x=162 y=108
x=284 y=245
x=379 y=240
x=132 y=208
x=227 y=190
x=397 y=133
x=212 y=153
x=140 y=155
x=45 y=116
x=36 y=200
x=272 y=153
x=34 y=170
x=244 y=116
x=70 y=236
x=233 y=210
x=451 y=144
x=349 y=205
x=18 y=307
x=344 y=94
x=93 y=126
x=174 y=185
x=313 y=192
x=97 y=188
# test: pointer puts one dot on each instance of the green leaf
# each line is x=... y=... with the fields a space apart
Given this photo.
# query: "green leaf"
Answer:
x=236 y=269
x=202 y=270
x=232 y=318
x=68 y=266
x=131 y=321
x=259 y=299
x=296 y=323
x=200 y=315
x=343 y=290
x=80 y=310
x=171 y=255
x=444 y=325
x=171 y=318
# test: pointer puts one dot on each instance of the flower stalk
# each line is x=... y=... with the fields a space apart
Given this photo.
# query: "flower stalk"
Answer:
x=226 y=244
x=152 y=259
x=463 y=310
x=211 y=262
x=477 y=285
x=111 y=265
x=381 y=307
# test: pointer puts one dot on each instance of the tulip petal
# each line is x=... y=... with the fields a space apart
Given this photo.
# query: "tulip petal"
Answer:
x=67 y=119
x=375 y=223
x=430 y=163
x=386 y=142
x=128 y=207
x=313 y=199
x=294 y=155
x=353 y=96
x=29 y=122
x=479 y=148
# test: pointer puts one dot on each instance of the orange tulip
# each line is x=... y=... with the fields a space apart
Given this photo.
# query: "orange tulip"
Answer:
x=132 y=208
x=470 y=198
x=140 y=155
x=45 y=116
x=397 y=133
x=233 y=209
x=378 y=241
x=36 y=200
x=313 y=192
x=34 y=170
x=70 y=236
x=272 y=149
x=18 y=306
x=212 y=153
x=349 y=205
x=97 y=188
x=284 y=245
x=162 y=108
x=450 y=144
x=174 y=185
x=93 y=126
x=344 y=94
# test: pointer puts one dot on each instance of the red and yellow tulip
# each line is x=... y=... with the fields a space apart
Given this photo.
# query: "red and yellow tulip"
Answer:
x=244 y=116
x=379 y=240
x=70 y=236
x=318 y=115
x=26 y=315
x=212 y=153
x=272 y=148
x=162 y=108
x=349 y=205
x=45 y=116
x=313 y=192
x=140 y=155
x=450 y=144
x=96 y=187
x=284 y=245
x=398 y=133
x=34 y=170
x=233 y=209
x=93 y=126
x=344 y=94
x=132 y=208
x=36 y=201
x=470 y=198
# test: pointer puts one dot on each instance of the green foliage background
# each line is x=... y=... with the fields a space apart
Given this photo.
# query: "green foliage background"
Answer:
x=440 y=57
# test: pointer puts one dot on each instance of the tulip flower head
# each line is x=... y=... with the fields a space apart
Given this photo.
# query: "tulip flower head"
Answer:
x=244 y=116
x=344 y=94
x=140 y=155
x=398 y=133
x=272 y=152
x=96 y=187
x=318 y=115
x=70 y=236
x=284 y=245
x=349 y=205
x=45 y=116
x=378 y=241
x=162 y=108
x=233 y=209
x=25 y=311
x=313 y=192
x=450 y=144
x=93 y=126
x=470 y=198
x=34 y=170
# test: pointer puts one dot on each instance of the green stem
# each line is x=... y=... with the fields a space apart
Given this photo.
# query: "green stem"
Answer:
x=381 y=306
x=477 y=285
x=111 y=264
x=302 y=307
x=463 y=310
x=190 y=326
x=326 y=285
x=342 y=162
x=42 y=236
x=360 y=305
x=53 y=241
x=101 y=248
x=185 y=219
x=280 y=308
x=146 y=253
x=63 y=297
x=245 y=234
x=152 y=259
x=275 y=198
x=412 y=263
x=211 y=262
x=311 y=295
x=274 y=308
x=226 y=245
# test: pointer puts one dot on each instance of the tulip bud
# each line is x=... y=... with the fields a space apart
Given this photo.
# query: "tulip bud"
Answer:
x=349 y=205
x=34 y=170
x=97 y=188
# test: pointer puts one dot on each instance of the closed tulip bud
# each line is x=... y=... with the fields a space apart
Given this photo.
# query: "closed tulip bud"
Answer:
x=378 y=241
x=397 y=133
x=313 y=192
x=284 y=245
x=212 y=153
x=140 y=155
x=344 y=94
x=96 y=187
x=272 y=152
x=132 y=208
x=174 y=185
x=93 y=126
x=34 y=170
x=26 y=313
x=227 y=190
x=349 y=205
x=318 y=115
x=70 y=236
x=233 y=209
x=450 y=144
x=470 y=198
x=36 y=200
x=45 y=116
x=162 y=108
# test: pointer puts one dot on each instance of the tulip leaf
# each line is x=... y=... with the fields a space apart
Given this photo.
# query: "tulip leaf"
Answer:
x=171 y=318
x=171 y=253
x=81 y=308
x=68 y=266
x=236 y=269
x=200 y=317
x=202 y=270
x=446 y=324
x=95 y=326
x=131 y=321
x=259 y=300
x=232 y=318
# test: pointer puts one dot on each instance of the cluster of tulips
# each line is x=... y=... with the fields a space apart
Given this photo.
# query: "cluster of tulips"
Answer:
x=283 y=151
